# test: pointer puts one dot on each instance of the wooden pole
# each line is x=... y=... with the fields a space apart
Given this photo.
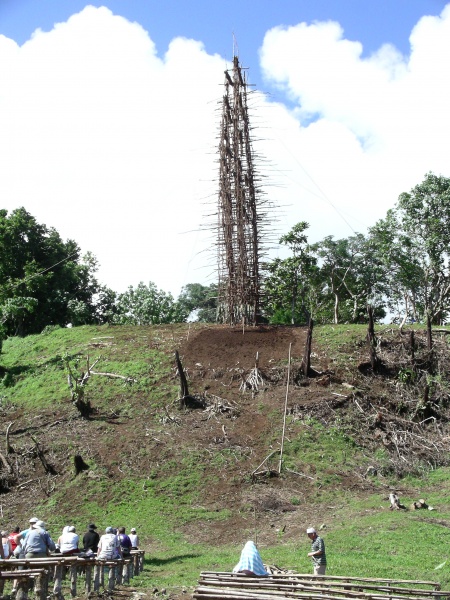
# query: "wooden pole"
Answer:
x=119 y=570
x=111 y=577
x=97 y=569
x=184 y=390
x=22 y=588
x=73 y=580
x=8 y=445
x=285 y=409
x=88 y=579
x=306 y=362
x=57 y=586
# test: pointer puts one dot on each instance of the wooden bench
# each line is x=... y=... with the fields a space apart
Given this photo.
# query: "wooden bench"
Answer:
x=23 y=580
x=56 y=568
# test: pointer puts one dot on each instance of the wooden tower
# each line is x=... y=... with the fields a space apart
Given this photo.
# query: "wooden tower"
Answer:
x=239 y=203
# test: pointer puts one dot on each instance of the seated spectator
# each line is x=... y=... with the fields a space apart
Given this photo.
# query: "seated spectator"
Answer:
x=5 y=548
x=125 y=542
x=250 y=562
x=38 y=543
x=6 y=545
x=91 y=539
x=68 y=541
x=12 y=538
x=22 y=534
x=134 y=539
x=109 y=546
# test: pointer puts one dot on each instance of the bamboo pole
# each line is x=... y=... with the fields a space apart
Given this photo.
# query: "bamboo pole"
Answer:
x=285 y=409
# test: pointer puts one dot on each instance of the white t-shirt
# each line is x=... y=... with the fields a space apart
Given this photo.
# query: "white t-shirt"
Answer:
x=108 y=547
x=68 y=541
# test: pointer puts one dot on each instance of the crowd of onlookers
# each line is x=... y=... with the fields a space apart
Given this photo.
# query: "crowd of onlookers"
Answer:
x=36 y=542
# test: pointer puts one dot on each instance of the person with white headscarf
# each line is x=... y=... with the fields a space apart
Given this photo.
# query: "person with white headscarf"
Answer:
x=250 y=562
x=68 y=541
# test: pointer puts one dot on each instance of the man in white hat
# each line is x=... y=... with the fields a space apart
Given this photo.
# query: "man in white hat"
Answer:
x=317 y=553
x=38 y=543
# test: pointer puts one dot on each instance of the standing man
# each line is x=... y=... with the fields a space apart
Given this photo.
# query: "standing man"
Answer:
x=317 y=553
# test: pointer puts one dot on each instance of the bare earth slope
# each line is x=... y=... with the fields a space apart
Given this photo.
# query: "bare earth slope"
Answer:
x=131 y=437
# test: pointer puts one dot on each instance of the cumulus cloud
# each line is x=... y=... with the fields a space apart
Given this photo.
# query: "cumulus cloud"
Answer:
x=111 y=144
x=114 y=145
x=369 y=128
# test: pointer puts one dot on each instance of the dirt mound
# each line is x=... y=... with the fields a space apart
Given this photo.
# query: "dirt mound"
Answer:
x=225 y=347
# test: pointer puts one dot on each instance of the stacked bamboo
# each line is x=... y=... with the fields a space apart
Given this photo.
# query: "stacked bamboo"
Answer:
x=237 y=586
x=43 y=571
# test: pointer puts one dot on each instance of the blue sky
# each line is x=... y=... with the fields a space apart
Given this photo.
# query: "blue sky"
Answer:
x=373 y=22
x=108 y=121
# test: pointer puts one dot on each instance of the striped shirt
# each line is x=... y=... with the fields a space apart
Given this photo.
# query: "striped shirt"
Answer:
x=319 y=544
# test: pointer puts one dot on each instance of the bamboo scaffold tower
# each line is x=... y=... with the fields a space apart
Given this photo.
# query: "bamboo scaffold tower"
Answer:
x=239 y=203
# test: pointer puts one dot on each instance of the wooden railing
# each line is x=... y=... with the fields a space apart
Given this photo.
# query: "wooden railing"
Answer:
x=40 y=573
x=237 y=586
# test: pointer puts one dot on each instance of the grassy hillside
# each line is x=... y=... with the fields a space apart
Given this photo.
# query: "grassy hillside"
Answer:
x=185 y=478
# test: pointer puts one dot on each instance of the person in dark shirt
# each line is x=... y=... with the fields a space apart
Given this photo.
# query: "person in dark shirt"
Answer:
x=91 y=539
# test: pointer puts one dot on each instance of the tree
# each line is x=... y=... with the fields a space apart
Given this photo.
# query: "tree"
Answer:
x=352 y=275
x=414 y=241
x=288 y=283
x=201 y=300
x=40 y=274
x=146 y=305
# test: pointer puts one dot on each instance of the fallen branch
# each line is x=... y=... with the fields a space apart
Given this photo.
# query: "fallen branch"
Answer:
x=47 y=467
x=265 y=460
x=300 y=474
x=125 y=378
x=21 y=485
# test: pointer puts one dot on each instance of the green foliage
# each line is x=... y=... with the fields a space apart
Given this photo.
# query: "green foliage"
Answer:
x=146 y=304
x=40 y=275
x=413 y=242
x=287 y=289
x=331 y=281
x=199 y=301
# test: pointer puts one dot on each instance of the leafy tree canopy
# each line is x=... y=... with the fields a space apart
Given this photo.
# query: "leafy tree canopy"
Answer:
x=40 y=275
x=147 y=305
x=200 y=301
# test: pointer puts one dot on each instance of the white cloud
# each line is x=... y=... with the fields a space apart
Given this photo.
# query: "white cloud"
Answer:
x=115 y=146
x=379 y=123
x=111 y=145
